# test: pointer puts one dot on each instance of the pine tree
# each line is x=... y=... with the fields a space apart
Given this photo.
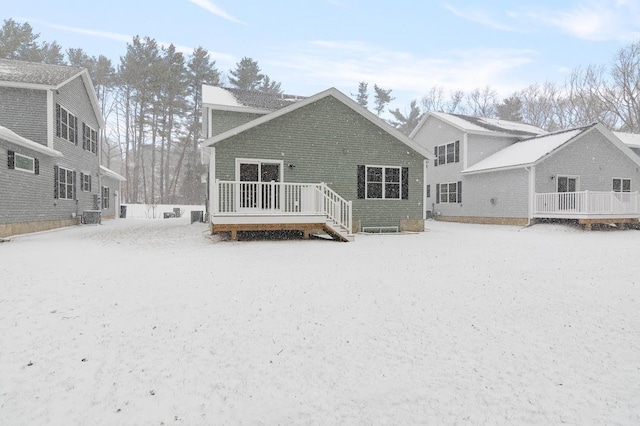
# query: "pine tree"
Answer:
x=246 y=75
x=18 y=41
x=362 y=98
x=382 y=98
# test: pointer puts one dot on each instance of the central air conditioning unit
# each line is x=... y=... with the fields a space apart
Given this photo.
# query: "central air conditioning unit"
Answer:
x=91 y=217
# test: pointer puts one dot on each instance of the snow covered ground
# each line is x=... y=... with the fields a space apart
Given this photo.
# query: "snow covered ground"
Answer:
x=154 y=322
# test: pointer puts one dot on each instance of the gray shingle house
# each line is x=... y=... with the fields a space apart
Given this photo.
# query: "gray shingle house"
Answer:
x=49 y=126
x=494 y=171
x=322 y=162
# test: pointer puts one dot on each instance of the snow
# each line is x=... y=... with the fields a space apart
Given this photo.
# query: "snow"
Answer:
x=219 y=96
x=631 y=139
x=157 y=211
x=11 y=136
x=524 y=153
x=138 y=322
x=507 y=126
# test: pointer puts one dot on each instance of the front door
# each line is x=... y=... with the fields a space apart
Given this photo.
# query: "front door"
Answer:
x=567 y=187
x=258 y=187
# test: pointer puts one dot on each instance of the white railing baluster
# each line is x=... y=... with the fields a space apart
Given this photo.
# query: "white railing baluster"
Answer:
x=587 y=203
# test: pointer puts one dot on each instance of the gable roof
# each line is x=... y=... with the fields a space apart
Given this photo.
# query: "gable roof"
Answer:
x=482 y=125
x=335 y=93
x=232 y=99
x=531 y=151
x=34 y=75
x=11 y=136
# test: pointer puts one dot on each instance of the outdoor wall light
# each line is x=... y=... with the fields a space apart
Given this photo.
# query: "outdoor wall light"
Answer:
x=291 y=166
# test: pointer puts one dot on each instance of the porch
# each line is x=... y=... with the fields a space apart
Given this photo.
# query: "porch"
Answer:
x=589 y=207
x=264 y=206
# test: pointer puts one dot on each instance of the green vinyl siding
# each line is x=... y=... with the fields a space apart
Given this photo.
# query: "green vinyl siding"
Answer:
x=325 y=142
x=227 y=120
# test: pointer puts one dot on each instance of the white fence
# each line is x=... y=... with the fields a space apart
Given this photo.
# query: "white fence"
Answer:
x=592 y=203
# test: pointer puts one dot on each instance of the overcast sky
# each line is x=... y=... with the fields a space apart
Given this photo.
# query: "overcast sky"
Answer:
x=405 y=45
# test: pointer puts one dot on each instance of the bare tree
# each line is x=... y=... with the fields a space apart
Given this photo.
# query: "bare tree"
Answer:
x=482 y=102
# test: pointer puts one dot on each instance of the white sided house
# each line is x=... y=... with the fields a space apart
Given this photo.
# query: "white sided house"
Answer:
x=587 y=174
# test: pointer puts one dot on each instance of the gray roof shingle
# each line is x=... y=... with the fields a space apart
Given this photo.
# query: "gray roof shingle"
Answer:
x=261 y=100
x=35 y=73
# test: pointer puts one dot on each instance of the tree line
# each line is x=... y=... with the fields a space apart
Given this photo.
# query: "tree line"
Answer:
x=152 y=102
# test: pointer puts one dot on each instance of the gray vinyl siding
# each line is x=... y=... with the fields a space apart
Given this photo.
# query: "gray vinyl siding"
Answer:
x=226 y=120
x=34 y=201
x=591 y=157
x=24 y=196
x=25 y=112
x=74 y=98
x=480 y=147
x=326 y=141
x=508 y=189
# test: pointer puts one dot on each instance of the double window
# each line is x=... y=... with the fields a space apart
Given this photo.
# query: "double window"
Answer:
x=448 y=153
x=66 y=125
x=621 y=185
x=64 y=183
x=449 y=193
x=17 y=161
x=383 y=182
x=89 y=139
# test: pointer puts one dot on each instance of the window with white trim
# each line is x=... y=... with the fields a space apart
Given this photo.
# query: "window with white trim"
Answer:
x=66 y=125
x=383 y=182
x=105 y=197
x=447 y=153
x=89 y=139
x=449 y=193
x=65 y=183
x=621 y=185
x=85 y=182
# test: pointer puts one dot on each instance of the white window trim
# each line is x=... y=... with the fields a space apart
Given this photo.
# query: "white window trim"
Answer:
x=104 y=199
x=576 y=177
x=621 y=183
x=384 y=183
x=438 y=149
x=439 y=195
x=259 y=161
x=15 y=163
x=86 y=174
x=91 y=129
x=67 y=184
x=68 y=124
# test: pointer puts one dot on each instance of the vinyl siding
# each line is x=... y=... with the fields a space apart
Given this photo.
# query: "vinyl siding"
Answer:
x=481 y=146
x=24 y=196
x=591 y=157
x=509 y=190
x=326 y=141
x=25 y=112
x=227 y=120
x=35 y=199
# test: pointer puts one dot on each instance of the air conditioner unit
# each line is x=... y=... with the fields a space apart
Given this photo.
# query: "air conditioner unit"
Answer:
x=91 y=217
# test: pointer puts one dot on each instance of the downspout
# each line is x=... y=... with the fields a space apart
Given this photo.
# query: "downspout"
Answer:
x=532 y=187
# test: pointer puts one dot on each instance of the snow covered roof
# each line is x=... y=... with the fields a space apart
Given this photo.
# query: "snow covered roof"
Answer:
x=337 y=95
x=11 y=136
x=110 y=173
x=631 y=139
x=36 y=73
x=526 y=152
x=250 y=100
x=481 y=125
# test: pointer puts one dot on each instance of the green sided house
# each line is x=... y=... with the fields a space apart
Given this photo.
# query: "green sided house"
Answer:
x=318 y=163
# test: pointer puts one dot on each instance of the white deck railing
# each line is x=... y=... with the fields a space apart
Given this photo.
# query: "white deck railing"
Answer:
x=587 y=203
x=281 y=198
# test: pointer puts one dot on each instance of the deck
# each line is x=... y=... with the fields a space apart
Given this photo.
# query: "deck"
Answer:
x=588 y=207
x=264 y=206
